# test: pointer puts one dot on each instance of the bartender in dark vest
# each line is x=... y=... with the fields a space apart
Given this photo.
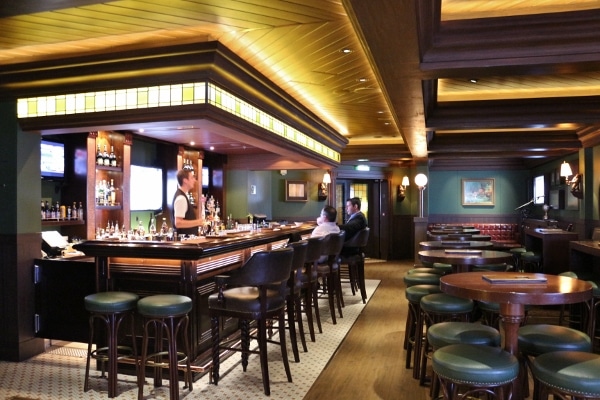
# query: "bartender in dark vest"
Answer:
x=184 y=216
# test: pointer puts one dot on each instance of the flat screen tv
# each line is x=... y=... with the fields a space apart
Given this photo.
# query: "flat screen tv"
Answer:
x=539 y=190
x=146 y=188
x=52 y=160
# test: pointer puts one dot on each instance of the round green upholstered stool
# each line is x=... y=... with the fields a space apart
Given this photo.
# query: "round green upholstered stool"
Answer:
x=537 y=339
x=166 y=315
x=593 y=316
x=500 y=267
x=442 y=268
x=454 y=332
x=111 y=308
x=531 y=262
x=413 y=319
x=436 y=308
x=569 y=374
x=421 y=278
x=464 y=370
x=421 y=270
x=516 y=252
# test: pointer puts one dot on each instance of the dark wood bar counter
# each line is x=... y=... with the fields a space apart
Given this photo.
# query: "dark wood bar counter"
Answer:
x=553 y=245
x=186 y=268
x=585 y=259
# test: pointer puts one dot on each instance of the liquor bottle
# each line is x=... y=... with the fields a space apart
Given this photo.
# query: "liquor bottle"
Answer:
x=152 y=226
x=164 y=228
x=112 y=157
x=113 y=193
x=74 y=211
x=80 y=212
x=48 y=210
x=99 y=157
x=106 y=157
x=43 y=210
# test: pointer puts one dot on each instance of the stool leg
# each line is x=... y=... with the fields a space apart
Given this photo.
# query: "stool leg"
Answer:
x=298 y=310
x=214 y=321
x=315 y=301
x=309 y=314
x=86 y=385
x=113 y=325
x=290 y=307
x=262 y=346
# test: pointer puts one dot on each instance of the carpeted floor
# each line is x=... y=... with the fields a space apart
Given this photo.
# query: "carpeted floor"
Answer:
x=58 y=373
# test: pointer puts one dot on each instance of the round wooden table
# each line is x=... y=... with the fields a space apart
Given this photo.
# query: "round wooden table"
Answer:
x=513 y=297
x=463 y=260
x=455 y=244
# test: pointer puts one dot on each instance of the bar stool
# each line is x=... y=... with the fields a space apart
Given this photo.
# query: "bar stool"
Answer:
x=594 y=315
x=111 y=308
x=454 y=332
x=308 y=279
x=423 y=270
x=436 y=308
x=568 y=373
x=168 y=315
x=293 y=297
x=421 y=278
x=516 y=252
x=442 y=268
x=413 y=319
x=531 y=262
x=329 y=272
x=537 y=339
x=475 y=369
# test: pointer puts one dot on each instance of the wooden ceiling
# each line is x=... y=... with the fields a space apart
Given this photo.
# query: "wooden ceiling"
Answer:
x=403 y=94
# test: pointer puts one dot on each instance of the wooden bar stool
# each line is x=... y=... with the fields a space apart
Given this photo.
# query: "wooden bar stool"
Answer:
x=465 y=370
x=111 y=308
x=165 y=314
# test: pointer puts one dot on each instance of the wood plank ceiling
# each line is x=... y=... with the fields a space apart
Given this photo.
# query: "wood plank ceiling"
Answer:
x=402 y=94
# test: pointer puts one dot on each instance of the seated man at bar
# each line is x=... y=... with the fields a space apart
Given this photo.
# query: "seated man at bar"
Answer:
x=326 y=222
x=356 y=222
x=184 y=216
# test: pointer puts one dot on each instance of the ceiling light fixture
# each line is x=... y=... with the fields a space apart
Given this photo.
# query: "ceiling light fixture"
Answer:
x=346 y=50
x=473 y=80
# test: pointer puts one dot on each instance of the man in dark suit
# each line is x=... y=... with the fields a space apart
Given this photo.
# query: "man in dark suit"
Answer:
x=355 y=223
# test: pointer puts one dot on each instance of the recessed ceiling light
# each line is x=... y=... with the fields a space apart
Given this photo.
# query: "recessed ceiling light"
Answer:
x=192 y=143
x=346 y=50
x=362 y=79
x=212 y=148
x=362 y=159
x=141 y=130
x=473 y=80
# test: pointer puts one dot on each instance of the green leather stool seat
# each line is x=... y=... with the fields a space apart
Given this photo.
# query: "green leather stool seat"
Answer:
x=543 y=338
x=421 y=270
x=491 y=267
x=416 y=292
x=442 y=303
x=421 y=278
x=443 y=268
x=529 y=258
x=516 y=252
x=426 y=263
x=571 y=372
x=164 y=305
x=475 y=365
x=110 y=302
x=456 y=332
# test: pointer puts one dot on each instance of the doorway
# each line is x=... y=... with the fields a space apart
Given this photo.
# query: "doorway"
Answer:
x=374 y=195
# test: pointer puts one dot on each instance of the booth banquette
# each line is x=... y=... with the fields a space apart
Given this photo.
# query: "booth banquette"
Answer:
x=503 y=235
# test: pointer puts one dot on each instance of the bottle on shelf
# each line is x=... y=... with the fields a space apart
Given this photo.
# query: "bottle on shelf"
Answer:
x=48 y=210
x=74 y=211
x=106 y=157
x=113 y=193
x=152 y=225
x=164 y=228
x=99 y=157
x=80 y=211
x=43 y=210
x=112 y=157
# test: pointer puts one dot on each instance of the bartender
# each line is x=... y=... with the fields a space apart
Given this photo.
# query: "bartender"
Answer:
x=184 y=216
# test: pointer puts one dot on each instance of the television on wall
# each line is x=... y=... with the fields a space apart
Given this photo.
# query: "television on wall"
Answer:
x=52 y=160
x=539 y=190
x=146 y=188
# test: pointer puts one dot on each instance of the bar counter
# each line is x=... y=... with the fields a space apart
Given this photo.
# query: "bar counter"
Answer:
x=186 y=268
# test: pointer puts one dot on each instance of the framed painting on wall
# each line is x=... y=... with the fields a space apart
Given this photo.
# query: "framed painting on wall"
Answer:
x=478 y=192
x=296 y=191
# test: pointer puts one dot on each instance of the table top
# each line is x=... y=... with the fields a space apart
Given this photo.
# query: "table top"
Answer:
x=556 y=289
x=455 y=244
x=475 y=257
x=459 y=236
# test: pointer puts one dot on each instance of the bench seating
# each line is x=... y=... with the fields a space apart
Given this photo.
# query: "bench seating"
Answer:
x=502 y=235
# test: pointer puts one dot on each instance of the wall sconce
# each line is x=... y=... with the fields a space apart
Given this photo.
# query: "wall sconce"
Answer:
x=421 y=182
x=576 y=183
x=323 y=191
x=401 y=190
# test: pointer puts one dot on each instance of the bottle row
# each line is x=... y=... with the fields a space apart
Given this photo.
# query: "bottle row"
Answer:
x=58 y=212
x=106 y=194
x=112 y=231
x=105 y=158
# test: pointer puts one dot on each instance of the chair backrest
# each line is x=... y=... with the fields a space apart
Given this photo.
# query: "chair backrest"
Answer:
x=359 y=240
x=315 y=248
x=264 y=268
x=334 y=242
x=300 y=250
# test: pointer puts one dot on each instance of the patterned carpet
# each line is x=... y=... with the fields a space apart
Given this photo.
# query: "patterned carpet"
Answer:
x=58 y=373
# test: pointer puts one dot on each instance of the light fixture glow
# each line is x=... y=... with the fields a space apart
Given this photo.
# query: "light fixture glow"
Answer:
x=362 y=167
x=565 y=170
x=421 y=180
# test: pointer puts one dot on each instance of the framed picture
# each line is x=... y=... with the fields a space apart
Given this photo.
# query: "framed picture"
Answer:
x=296 y=191
x=478 y=192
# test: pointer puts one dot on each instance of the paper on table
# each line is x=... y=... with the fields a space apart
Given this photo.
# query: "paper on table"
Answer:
x=462 y=251
x=527 y=279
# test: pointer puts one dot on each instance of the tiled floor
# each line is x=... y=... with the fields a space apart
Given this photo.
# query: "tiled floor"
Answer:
x=58 y=373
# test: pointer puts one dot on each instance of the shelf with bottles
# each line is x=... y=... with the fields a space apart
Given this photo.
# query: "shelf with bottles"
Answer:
x=109 y=147
x=108 y=195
